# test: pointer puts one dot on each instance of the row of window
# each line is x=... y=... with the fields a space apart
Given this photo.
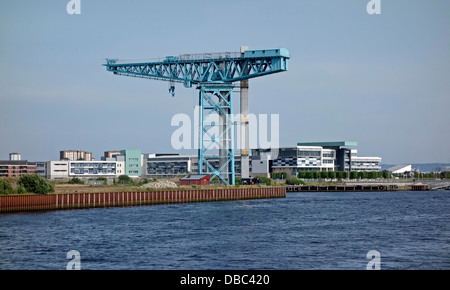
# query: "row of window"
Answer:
x=91 y=171
x=94 y=165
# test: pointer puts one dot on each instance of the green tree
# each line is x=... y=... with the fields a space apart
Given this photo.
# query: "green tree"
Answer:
x=323 y=174
x=362 y=174
x=125 y=179
x=309 y=175
x=353 y=175
x=35 y=183
x=332 y=174
x=6 y=187
x=444 y=175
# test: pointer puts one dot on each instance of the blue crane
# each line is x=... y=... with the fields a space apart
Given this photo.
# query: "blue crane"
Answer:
x=214 y=74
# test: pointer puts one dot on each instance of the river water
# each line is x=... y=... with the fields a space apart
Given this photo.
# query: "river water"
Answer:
x=409 y=230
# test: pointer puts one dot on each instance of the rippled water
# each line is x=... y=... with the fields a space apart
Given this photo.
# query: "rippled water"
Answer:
x=410 y=230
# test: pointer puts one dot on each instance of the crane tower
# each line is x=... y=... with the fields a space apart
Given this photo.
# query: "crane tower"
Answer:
x=214 y=75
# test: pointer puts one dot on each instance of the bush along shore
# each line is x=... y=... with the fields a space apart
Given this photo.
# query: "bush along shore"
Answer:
x=26 y=184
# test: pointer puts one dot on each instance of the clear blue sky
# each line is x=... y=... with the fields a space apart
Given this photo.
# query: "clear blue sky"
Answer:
x=380 y=80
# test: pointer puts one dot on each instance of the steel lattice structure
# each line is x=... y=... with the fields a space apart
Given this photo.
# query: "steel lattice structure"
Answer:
x=214 y=75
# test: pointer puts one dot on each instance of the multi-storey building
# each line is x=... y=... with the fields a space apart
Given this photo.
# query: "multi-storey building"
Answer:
x=133 y=162
x=346 y=158
x=299 y=158
x=319 y=156
x=96 y=168
x=84 y=169
x=57 y=169
x=16 y=168
x=74 y=155
x=358 y=163
x=171 y=165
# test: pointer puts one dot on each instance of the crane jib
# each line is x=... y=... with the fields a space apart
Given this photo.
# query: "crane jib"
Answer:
x=206 y=68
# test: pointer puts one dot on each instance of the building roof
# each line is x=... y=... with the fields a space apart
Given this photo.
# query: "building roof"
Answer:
x=399 y=167
x=194 y=177
x=16 y=162
x=330 y=144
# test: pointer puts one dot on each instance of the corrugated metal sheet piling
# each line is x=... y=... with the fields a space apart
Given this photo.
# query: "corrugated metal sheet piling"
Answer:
x=14 y=203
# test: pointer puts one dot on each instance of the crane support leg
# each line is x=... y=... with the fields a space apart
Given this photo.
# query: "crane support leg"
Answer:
x=216 y=144
x=245 y=150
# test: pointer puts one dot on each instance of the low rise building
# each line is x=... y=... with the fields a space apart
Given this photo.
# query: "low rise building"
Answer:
x=173 y=165
x=17 y=168
x=92 y=169
x=195 y=179
x=63 y=170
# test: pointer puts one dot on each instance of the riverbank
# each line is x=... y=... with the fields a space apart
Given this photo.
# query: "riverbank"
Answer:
x=39 y=202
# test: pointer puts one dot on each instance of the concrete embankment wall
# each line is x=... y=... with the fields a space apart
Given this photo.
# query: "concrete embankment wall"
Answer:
x=110 y=199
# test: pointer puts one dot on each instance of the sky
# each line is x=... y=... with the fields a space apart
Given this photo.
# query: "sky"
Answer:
x=381 y=80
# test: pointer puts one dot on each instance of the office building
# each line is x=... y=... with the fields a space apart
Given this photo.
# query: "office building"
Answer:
x=318 y=156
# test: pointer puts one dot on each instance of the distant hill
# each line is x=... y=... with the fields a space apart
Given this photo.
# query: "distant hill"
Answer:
x=423 y=167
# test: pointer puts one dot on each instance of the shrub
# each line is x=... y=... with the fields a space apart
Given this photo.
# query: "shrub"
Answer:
x=35 y=183
x=76 y=180
x=125 y=179
x=265 y=180
x=103 y=179
x=294 y=180
x=6 y=187
x=20 y=189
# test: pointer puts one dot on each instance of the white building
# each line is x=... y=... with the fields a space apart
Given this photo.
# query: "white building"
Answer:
x=57 y=170
x=92 y=169
x=299 y=158
x=399 y=169
x=84 y=169
x=319 y=156
x=364 y=163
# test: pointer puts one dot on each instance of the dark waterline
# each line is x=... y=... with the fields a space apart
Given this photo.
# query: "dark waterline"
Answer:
x=410 y=230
